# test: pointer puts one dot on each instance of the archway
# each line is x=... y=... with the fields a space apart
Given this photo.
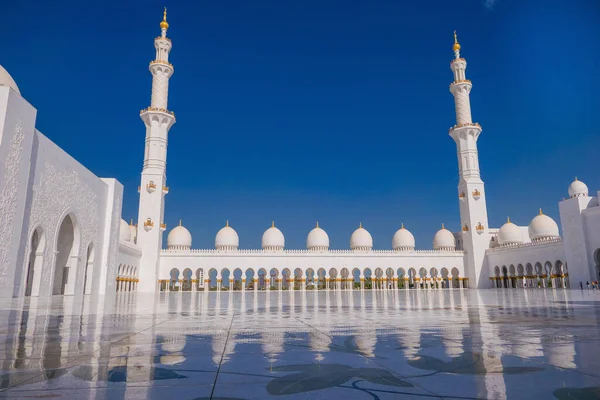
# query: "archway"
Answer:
x=446 y=282
x=286 y=279
x=299 y=283
x=226 y=279
x=186 y=284
x=321 y=278
x=36 y=262
x=433 y=272
x=89 y=270
x=455 y=278
x=539 y=271
x=504 y=277
x=402 y=282
x=355 y=284
x=423 y=278
x=333 y=279
x=237 y=279
x=368 y=283
x=250 y=284
x=274 y=279
x=512 y=276
x=378 y=279
x=67 y=249
x=174 y=280
x=412 y=278
x=262 y=279
x=346 y=279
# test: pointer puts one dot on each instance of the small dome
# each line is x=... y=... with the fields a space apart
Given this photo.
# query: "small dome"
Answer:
x=578 y=189
x=7 y=80
x=227 y=238
x=361 y=239
x=124 y=232
x=133 y=231
x=273 y=239
x=179 y=238
x=317 y=239
x=542 y=227
x=509 y=234
x=444 y=240
x=403 y=240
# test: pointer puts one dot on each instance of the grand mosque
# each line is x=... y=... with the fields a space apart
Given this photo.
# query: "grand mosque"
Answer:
x=62 y=232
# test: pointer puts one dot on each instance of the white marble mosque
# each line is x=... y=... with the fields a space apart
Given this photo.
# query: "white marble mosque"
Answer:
x=92 y=307
x=62 y=232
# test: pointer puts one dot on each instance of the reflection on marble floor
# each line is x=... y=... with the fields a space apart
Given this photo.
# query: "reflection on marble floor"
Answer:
x=454 y=344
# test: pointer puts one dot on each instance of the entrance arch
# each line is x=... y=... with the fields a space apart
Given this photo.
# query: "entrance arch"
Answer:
x=67 y=254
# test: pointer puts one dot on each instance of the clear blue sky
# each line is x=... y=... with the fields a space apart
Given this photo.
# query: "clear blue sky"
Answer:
x=329 y=110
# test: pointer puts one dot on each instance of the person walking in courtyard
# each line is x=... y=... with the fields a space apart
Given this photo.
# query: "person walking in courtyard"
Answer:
x=581 y=285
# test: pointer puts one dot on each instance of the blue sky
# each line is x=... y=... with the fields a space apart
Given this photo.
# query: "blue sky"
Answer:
x=324 y=110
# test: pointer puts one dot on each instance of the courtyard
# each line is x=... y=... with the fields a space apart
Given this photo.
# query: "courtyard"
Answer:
x=414 y=344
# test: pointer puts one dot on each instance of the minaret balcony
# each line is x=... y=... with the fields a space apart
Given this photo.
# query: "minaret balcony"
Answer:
x=148 y=225
x=459 y=82
x=165 y=190
x=476 y=194
x=163 y=227
x=151 y=187
x=161 y=62
x=465 y=228
x=466 y=124
x=462 y=196
x=160 y=110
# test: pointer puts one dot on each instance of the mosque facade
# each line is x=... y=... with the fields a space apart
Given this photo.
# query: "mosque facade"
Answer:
x=61 y=231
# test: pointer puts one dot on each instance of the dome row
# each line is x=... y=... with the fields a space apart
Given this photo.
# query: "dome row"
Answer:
x=317 y=240
x=541 y=228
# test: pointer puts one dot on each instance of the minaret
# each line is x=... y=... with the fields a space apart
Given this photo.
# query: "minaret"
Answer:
x=473 y=211
x=158 y=121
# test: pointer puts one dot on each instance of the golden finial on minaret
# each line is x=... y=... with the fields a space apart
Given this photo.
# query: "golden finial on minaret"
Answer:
x=402 y=226
x=508 y=220
x=179 y=222
x=541 y=213
x=360 y=225
x=317 y=224
x=272 y=224
x=456 y=46
x=227 y=223
x=443 y=226
x=164 y=24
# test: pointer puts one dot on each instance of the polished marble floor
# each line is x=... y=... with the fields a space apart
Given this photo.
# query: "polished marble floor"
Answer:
x=413 y=344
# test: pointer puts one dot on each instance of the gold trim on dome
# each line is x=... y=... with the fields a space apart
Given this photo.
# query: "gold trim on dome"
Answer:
x=154 y=109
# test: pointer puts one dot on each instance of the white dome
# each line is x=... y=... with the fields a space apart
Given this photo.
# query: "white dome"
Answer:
x=124 y=232
x=542 y=227
x=403 y=240
x=444 y=240
x=179 y=238
x=133 y=231
x=361 y=239
x=317 y=239
x=509 y=233
x=7 y=80
x=578 y=189
x=273 y=239
x=227 y=238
